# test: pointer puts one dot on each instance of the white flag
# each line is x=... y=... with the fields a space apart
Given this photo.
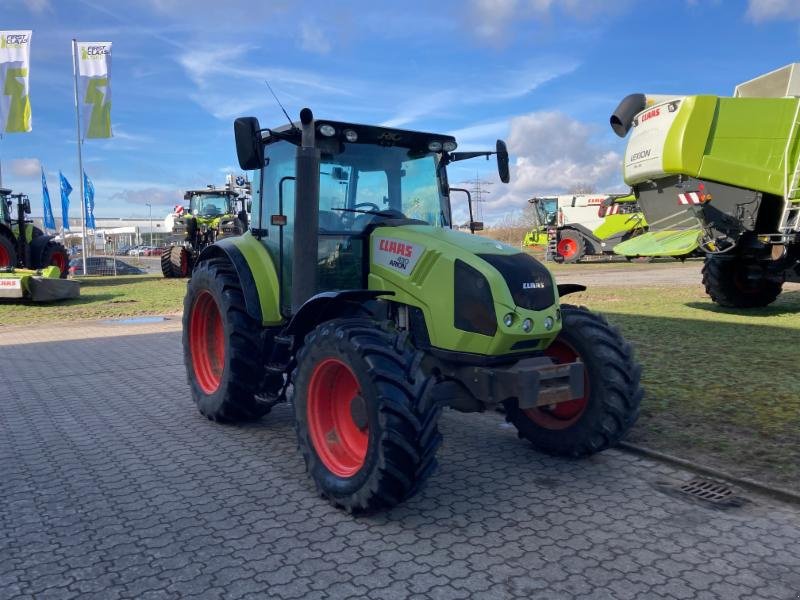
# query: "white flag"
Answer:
x=94 y=89
x=15 y=103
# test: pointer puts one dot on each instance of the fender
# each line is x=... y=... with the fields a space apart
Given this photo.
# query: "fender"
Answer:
x=325 y=306
x=569 y=288
x=591 y=242
x=256 y=274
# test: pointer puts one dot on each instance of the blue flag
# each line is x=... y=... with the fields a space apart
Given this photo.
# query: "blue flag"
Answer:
x=66 y=188
x=49 y=219
x=88 y=201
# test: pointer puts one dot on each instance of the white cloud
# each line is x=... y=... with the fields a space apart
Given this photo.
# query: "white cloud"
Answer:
x=313 y=39
x=553 y=154
x=770 y=10
x=38 y=7
x=26 y=167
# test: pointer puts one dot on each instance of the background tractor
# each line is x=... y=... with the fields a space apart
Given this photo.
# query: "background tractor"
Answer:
x=722 y=175
x=22 y=244
x=210 y=214
x=544 y=212
x=352 y=295
x=583 y=225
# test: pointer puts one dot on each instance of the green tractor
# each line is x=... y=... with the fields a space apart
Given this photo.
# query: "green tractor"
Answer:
x=31 y=249
x=720 y=175
x=212 y=214
x=352 y=296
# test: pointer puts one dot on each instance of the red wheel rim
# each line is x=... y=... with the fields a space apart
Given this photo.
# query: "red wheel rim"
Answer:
x=340 y=443
x=567 y=248
x=207 y=342
x=563 y=414
x=59 y=260
x=184 y=263
x=5 y=259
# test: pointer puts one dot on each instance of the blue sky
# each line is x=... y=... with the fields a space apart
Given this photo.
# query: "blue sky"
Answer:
x=543 y=74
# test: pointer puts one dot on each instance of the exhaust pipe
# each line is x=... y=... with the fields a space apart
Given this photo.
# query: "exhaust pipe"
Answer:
x=622 y=117
x=306 y=215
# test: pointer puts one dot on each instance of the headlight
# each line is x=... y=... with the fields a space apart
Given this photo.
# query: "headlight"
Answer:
x=508 y=320
x=327 y=130
x=449 y=146
x=350 y=135
x=435 y=146
x=527 y=325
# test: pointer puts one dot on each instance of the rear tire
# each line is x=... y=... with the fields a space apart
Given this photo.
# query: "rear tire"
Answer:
x=612 y=397
x=727 y=283
x=8 y=253
x=56 y=255
x=176 y=262
x=570 y=247
x=221 y=346
x=365 y=425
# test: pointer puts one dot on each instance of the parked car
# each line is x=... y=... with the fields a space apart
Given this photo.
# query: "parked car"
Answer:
x=101 y=265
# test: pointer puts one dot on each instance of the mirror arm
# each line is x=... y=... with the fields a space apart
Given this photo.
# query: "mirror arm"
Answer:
x=456 y=156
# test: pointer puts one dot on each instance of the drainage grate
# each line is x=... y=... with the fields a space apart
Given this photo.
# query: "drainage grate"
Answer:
x=707 y=490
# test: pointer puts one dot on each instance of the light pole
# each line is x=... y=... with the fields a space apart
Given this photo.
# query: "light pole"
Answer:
x=150 y=219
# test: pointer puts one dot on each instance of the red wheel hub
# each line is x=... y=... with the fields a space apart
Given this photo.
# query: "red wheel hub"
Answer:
x=59 y=260
x=5 y=259
x=563 y=414
x=207 y=342
x=567 y=248
x=337 y=420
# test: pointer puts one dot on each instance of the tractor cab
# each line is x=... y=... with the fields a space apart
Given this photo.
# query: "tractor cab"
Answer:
x=363 y=177
x=211 y=203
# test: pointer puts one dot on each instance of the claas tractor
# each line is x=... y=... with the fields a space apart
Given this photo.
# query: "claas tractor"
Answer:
x=352 y=297
x=591 y=225
x=22 y=244
x=720 y=175
x=211 y=214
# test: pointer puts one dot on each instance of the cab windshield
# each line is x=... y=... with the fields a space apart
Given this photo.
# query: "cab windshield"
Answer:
x=365 y=182
x=209 y=205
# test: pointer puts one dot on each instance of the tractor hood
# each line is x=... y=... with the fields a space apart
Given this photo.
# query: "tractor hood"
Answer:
x=661 y=243
x=466 y=285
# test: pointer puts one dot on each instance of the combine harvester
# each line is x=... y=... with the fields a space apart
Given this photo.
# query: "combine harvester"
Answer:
x=720 y=174
x=575 y=226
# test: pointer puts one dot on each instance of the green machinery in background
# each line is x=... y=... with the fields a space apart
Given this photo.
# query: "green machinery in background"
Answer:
x=720 y=174
x=574 y=226
x=211 y=214
x=352 y=296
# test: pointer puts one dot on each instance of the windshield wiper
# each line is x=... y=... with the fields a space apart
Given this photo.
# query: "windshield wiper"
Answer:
x=380 y=213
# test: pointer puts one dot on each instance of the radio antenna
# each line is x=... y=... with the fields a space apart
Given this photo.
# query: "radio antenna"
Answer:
x=269 y=87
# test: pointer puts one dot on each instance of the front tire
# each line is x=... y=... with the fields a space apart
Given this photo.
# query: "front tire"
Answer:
x=176 y=262
x=739 y=282
x=610 y=405
x=366 y=428
x=570 y=247
x=56 y=255
x=221 y=346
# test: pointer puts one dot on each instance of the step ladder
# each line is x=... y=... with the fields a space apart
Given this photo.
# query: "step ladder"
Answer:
x=552 y=243
x=790 y=220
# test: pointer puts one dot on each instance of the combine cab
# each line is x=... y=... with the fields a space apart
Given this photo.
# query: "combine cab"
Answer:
x=212 y=214
x=720 y=175
x=22 y=244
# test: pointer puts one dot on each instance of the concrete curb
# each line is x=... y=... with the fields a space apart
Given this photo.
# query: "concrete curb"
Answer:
x=773 y=492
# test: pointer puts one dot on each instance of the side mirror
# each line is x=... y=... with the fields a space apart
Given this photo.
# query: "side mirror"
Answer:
x=249 y=208
x=502 y=161
x=476 y=226
x=249 y=146
x=26 y=203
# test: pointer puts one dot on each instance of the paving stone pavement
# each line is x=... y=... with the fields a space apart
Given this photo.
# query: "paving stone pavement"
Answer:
x=113 y=486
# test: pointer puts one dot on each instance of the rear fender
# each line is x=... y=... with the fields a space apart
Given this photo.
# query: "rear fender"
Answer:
x=37 y=245
x=256 y=273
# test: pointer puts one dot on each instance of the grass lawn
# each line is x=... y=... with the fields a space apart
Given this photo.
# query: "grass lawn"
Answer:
x=718 y=382
x=104 y=298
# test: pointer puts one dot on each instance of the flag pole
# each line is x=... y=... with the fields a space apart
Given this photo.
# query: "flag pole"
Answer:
x=80 y=157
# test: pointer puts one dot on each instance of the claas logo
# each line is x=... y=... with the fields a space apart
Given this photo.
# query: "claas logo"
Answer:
x=13 y=40
x=93 y=52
